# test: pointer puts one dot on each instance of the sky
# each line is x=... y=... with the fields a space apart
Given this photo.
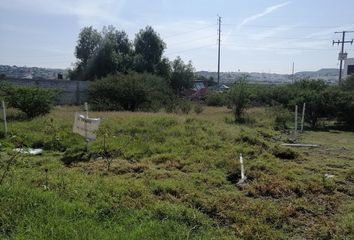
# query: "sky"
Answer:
x=256 y=35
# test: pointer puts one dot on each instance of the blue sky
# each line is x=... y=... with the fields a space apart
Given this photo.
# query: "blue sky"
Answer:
x=257 y=35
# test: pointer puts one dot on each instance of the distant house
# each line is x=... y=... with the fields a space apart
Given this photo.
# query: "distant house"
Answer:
x=198 y=84
x=220 y=88
x=197 y=92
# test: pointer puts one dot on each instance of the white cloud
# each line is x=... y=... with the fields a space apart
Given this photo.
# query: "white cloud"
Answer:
x=267 y=11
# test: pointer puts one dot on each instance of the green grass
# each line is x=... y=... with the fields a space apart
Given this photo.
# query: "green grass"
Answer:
x=174 y=177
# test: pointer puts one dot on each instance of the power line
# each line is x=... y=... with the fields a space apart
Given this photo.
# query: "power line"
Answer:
x=291 y=38
x=342 y=56
x=284 y=48
x=272 y=26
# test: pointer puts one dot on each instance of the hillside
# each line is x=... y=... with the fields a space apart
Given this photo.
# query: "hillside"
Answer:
x=330 y=75
x=174 y=176
x=31 y=72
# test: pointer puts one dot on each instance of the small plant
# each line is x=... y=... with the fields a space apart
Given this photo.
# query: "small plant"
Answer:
x=7 y=166
x=171 y=107
x=284 y=153
x=76 y=154
x=185 y=106
x=239 y=99
x=281 y=118
x=216 y=99
x=106 y=132
x=198 y=108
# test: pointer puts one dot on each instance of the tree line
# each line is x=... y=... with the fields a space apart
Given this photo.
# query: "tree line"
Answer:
x=324 y=103
x=110 y=51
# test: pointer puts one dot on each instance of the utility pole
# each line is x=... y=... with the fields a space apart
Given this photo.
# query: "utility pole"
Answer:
x=342 y=56
x=219 y=39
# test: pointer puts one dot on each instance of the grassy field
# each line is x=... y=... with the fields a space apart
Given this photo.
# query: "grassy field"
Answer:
x=174 y=176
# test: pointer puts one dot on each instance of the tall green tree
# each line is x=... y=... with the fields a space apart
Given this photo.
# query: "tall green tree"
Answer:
x=114 y=54
x=182 y=75
x=88 y=42
x=149 y=48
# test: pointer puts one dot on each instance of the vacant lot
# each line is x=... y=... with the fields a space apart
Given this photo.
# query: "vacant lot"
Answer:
x=174 y=176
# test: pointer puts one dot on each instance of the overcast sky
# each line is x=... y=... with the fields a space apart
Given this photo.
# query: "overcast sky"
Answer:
x=257 y=35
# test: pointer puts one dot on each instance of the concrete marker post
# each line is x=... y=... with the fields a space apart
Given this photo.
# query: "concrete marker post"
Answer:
x=295 y=127
x=242 y=181
x=4 y=116
x=86 y=118
x=242 y=168
x=303 y=117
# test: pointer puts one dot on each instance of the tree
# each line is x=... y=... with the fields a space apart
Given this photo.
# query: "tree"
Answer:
x=239 y=98
x=163 y=68
x=182 y=75
x=102 y=53
x=131 y=92
x=149 y=48
x=112 y=55
x=348 y=84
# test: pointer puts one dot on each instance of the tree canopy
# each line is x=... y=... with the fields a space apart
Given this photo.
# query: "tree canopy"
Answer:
x=110 y=51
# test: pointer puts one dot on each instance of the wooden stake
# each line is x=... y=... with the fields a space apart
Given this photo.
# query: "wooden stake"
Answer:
x=303 y=117
x=4 y=116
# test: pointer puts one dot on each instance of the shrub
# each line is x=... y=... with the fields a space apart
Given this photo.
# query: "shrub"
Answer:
x=185 y=106
x=33 y=101
x=171 y=107
x=76 y=154
x=216 y=99
x=239 y=98
x=129 y=92
x=198 y=108
x=348 y=83
x=284 y=153
x=282 y=116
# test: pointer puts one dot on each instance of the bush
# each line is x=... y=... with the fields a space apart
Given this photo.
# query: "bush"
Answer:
x=33 y=101
x=216 y=99
x=129 y=92
x=198 y=108
x=282 y=116
x=185 y=106
x=284 y=153
x=76 y=154
x=239 y=98
x=348 y=83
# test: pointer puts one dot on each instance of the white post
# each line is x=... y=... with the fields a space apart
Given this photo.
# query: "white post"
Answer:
x=4 y=115
x=86 y=118
x=303 y=117
x=295 y=127
x=242 y=168
x=86 y=109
